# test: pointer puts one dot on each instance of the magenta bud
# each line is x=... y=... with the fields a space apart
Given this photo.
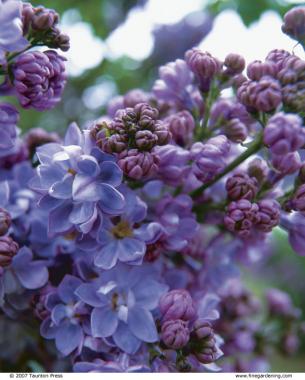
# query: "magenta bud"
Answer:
x=177 y=304
x=241 y=186
x=234 y=63
x=175 y=333
x=8 y=249
x=5 y=221
x=258 y=168
x=241 y=216
x=268 y=214
x=257 y=69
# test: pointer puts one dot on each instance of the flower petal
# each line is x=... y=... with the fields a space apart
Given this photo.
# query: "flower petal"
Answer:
x=107 y=257
x=142 y=324
x=125 y=340
x=68 y=338
x=67 y=287
x=111 y=201
x=111 y=173
x=88 y=294
x=132 y=251
x=104 y=322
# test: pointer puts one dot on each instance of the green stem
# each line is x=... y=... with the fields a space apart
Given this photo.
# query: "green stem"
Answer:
x=212 y=95
x=253 y=148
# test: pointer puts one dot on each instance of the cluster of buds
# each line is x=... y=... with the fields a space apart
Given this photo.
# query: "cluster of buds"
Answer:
x=177 y=309
x=204 y=342
x=133 y=134
x=244 y=216
x=41 y=25
x=39 y=79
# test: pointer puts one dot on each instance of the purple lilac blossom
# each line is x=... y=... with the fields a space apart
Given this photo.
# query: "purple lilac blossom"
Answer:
x=77 y=183
x=11 y=33
x=121 y=240
x=123 y=299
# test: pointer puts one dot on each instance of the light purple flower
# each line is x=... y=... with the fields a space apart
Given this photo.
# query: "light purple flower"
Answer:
x=78 y=183
x=11 y=33
x=122 y=300
x=66 y=315
x=121 y=240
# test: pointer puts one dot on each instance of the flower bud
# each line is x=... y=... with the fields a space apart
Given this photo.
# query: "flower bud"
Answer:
x=44 y=19
x=205 y=350
x=8 y=249
x=268 y=214
x=203 y=65
x=175 y=333
x=263 y=95
x=203 y=329
x=294 y=23
x=298 y=200
x=181 y=125
x=210 y=157
x=257 y=69
x=284 y=133
x=38 y=136
x=5 y=221
x=258 y=168
x=241 y=186
x=280 y=304
x=39 y=79
x=277 y=56
x=240 y=217
x=177 y=304
x=287 y=164
x=234 y=63
x=138 y=165
x=235 y=130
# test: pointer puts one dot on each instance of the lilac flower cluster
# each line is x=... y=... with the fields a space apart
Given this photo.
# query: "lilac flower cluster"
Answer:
x=124 y=239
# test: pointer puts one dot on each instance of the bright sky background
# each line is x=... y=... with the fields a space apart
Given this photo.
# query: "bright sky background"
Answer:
x=134 y=37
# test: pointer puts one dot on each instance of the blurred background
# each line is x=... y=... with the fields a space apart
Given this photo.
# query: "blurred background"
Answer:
x=117 y=45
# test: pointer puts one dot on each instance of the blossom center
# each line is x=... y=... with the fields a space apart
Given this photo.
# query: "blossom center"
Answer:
x=122 y=230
